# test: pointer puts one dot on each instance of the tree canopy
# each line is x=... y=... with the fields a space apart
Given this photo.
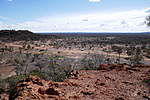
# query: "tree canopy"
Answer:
x=148 y=21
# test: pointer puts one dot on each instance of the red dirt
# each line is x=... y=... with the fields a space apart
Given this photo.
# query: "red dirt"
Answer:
x=6 y=71
x=124 y=83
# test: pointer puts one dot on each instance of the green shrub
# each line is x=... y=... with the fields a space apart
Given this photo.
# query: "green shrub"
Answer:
x=92 y=61
x=14 y=80
x=1 y=90
x=3 y=85
x=147 y=81
x=58 y=69
x=37 y=73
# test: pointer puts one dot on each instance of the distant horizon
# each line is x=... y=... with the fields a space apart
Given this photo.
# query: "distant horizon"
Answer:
x=88 y=32
x=69 y=32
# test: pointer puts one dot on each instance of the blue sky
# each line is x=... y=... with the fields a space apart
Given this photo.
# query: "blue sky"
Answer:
x=28 y=14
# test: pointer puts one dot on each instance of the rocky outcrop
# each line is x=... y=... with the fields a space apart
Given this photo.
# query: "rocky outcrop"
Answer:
x=113 y=84
x=4 y=96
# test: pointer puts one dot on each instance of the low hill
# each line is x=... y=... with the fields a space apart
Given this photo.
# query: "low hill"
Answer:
x=20 y=35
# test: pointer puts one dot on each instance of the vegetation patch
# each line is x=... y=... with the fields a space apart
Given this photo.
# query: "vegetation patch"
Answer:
x=147 y=81
x=2 y=90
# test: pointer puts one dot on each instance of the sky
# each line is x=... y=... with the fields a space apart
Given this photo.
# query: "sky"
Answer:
x=75 y=15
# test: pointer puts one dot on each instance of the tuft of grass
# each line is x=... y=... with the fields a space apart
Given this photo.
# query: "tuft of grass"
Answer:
x=15 y=79
x=147 y=81
x=37 y=73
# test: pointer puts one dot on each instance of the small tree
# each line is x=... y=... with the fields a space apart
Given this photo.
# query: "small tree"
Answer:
x=147 y=50
x=1 y=54
x=148 y=21
x=18 y=62
x=92 y=61
x=22 y=61
x=41 y=60
x=119 y=50
x=58 y=68
x=29 y=59
x=137 y=57
x=130 y=50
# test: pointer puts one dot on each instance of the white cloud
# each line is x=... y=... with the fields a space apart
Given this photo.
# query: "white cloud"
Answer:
x=10 y=0
x=3 y=18
x=127 y=21
x=94 y=0
x=147 y=10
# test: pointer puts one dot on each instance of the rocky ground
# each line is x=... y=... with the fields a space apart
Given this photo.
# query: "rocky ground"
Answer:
x=110 y=82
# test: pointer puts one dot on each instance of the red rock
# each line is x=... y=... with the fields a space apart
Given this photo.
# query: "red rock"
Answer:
x=113 y=84
x=103 y=67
